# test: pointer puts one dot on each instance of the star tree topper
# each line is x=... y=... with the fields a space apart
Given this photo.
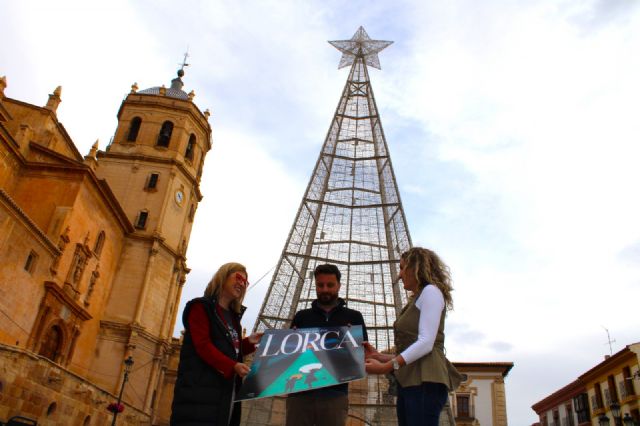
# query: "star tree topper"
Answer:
x=360 y=45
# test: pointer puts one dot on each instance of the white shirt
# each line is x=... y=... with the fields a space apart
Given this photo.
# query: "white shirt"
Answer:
x=430 y=303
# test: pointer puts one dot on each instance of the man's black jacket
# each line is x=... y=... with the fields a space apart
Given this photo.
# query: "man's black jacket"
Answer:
x=339 y=316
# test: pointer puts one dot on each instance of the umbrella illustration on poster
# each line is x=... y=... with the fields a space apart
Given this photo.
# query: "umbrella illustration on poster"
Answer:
x=305 y=373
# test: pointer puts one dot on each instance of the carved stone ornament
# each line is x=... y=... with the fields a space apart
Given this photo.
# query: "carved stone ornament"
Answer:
x=92 y=283
x=62 y=244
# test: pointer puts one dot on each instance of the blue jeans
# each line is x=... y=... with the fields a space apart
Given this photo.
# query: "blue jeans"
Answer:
x=421 y=405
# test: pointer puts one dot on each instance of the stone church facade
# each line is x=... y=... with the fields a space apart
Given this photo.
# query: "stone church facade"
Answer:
x=92 y=256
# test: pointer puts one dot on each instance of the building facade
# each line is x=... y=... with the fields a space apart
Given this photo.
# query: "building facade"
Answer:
x=607 y=392
x=92 y=254
x=567 y=406
x=481 y=398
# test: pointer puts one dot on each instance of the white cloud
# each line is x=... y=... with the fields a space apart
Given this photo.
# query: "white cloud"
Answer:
x=248 y=206
x=513 y=129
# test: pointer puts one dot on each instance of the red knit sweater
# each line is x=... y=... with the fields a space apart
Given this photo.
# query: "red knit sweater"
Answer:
x=199 y=328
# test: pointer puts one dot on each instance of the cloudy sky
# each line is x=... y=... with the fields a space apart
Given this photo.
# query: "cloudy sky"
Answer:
x=513 y=126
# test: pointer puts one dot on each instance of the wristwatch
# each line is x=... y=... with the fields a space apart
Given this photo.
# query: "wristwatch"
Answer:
x=395 y=364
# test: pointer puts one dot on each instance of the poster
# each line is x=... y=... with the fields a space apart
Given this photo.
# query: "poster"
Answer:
x=289 y=361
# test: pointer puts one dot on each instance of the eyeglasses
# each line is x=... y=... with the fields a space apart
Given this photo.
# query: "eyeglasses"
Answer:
x=242 y=279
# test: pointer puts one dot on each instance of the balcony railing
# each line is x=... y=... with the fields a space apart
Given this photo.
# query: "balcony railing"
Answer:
x=626 y=388
x=623 y=390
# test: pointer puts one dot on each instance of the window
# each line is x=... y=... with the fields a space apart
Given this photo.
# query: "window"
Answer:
x=613 y=391
x=30 y=263
x=99 y=244
x=134 y=128
x=51 y=409
x=141 y=223
x=598 y=392
x=188 y=154
x=165 y=134
x=152 y=181
x=628 y=381
x=568 y=421
x=581 y=405
x=462 y=406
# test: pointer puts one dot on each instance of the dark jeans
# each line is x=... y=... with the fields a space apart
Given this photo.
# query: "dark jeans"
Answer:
x=421 y=405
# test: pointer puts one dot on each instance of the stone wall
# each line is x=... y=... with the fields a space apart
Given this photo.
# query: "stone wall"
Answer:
x=34 y=387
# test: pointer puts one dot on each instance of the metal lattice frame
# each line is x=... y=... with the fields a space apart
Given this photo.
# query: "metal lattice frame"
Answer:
x=351 y=215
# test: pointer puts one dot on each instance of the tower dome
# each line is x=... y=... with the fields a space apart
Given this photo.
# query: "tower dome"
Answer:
x=175 y=91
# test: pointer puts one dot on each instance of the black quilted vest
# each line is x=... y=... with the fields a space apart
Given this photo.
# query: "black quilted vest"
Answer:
x=202 y=396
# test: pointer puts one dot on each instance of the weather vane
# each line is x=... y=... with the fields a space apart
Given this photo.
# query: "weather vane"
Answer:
x=184 y=61
x=360 y=45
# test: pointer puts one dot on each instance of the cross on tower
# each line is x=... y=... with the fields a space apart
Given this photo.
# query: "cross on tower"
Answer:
x=184 y=61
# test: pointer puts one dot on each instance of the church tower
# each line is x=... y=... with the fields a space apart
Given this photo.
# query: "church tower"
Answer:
x=153 y=167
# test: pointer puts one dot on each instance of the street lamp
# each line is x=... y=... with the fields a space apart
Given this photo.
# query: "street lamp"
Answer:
x=628 y=420
x=128 y=363
x=603 y=420
x=615 y=412
x=615 y=409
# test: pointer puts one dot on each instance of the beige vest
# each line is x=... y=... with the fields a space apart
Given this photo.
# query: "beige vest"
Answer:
x=434 y=366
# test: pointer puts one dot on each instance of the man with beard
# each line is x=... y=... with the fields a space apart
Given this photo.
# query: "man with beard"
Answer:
x=325 y=406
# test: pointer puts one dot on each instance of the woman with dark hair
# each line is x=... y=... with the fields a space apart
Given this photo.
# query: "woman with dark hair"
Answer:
x=423 y=373
x=211 y=358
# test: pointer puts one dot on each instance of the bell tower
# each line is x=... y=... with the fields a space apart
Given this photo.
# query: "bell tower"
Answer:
x=152 y=167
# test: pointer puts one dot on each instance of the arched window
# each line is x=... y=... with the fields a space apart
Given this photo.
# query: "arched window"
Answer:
x=165 y=134
x=134 y=129
x=152 y=181
x=188 y=153
x=99 y=244
x=51 y=409
x=52 y=344
x=30 y=264
x=141 y=222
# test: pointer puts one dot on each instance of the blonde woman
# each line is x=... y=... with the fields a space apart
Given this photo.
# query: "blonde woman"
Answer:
x=211 y=367
x=424 y=374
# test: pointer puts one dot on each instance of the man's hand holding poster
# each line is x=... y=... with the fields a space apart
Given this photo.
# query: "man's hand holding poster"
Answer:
x=298 y=360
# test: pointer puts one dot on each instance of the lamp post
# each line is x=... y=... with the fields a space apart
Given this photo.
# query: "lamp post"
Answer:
x=628 y=420
x=603 y=420
x=128 y=363
x=615 y=412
